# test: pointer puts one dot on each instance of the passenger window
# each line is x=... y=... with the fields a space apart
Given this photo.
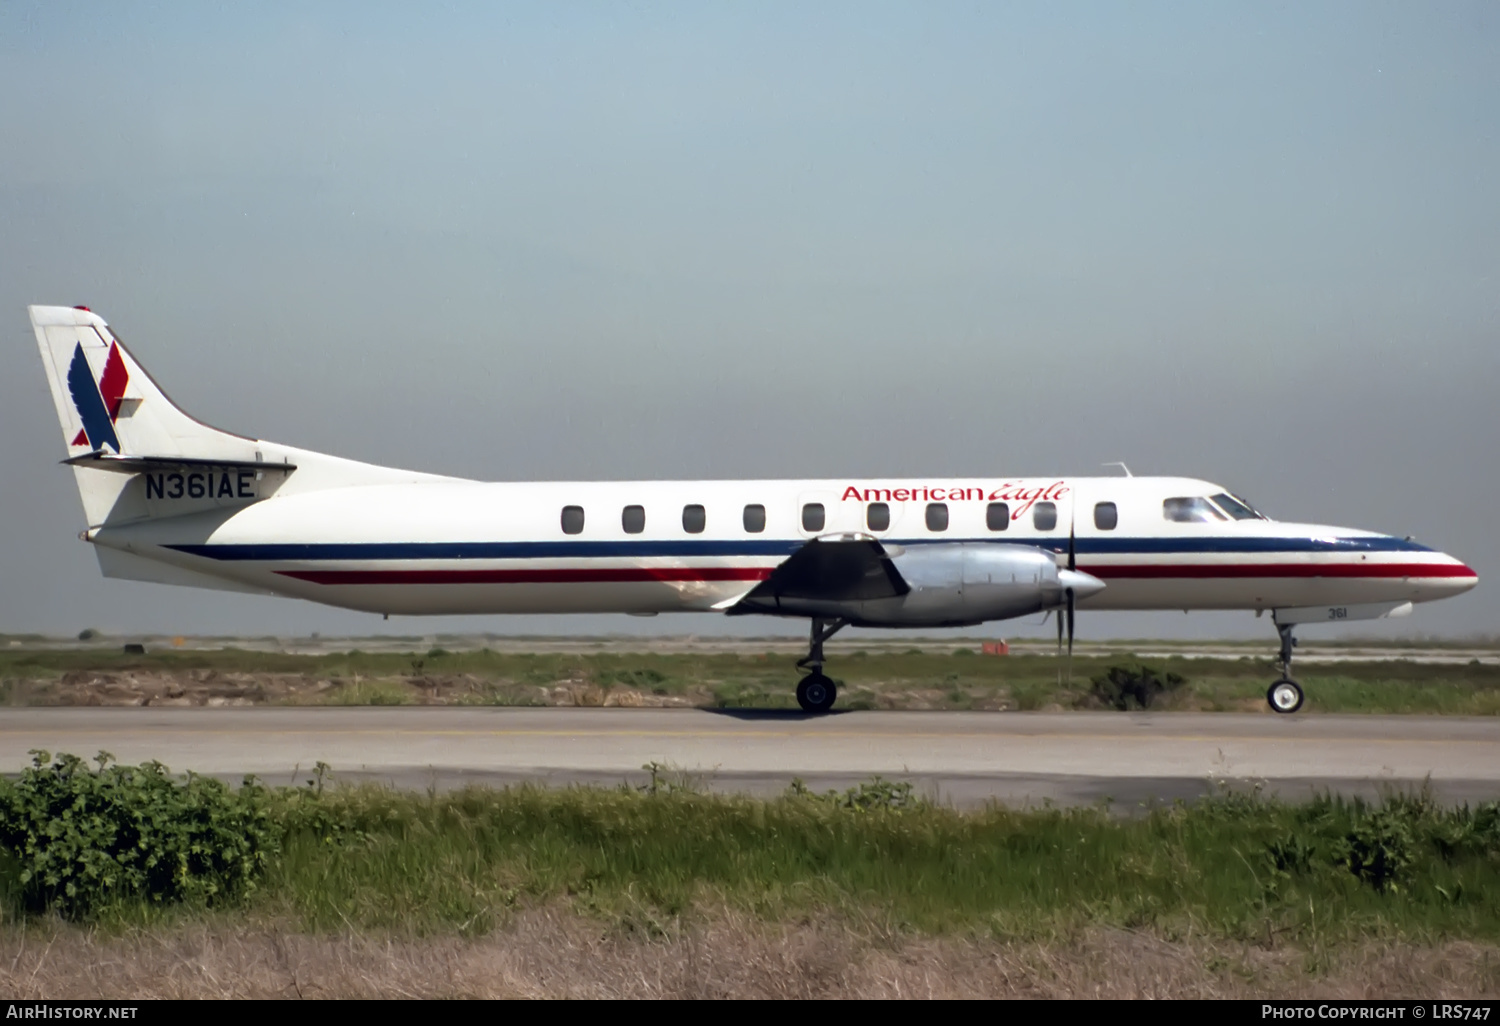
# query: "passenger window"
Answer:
x=812 y=516
x=878 y=516
x=997 y=516
x=1044 y=516
x=693 y=519
x=1106 y=516
x=937 y=516
x=633 y=519
x=572 y=520
x=1190 y=510
x=755 y=518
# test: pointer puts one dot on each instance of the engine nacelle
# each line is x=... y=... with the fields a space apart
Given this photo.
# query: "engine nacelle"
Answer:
x=958 y=583
x=952 y=584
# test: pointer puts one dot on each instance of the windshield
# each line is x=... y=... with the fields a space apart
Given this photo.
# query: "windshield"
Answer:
x=1237 y=507
x=1190 y=510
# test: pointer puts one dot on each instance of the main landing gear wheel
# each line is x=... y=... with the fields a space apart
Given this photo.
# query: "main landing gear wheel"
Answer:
x=816 y=693
x=1285 y=696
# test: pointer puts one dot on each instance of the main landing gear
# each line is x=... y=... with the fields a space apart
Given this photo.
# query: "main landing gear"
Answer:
x=816 y=692
x=1285 y=696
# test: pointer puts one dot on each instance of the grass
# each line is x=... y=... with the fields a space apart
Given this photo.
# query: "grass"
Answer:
x=898 y=680
x=1234 y=895
x=462 y=861
x=1234 y=867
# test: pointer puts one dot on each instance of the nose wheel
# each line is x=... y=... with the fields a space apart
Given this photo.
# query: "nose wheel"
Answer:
x=1285 y=696
x=816 y=692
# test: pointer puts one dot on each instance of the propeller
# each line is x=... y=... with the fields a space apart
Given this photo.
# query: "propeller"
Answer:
x=1060 y=647
x=1065 y=670
x=1071 y=597
x=1075 y=584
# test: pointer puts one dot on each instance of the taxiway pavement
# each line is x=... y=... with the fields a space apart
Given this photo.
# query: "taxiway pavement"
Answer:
x=962 y=758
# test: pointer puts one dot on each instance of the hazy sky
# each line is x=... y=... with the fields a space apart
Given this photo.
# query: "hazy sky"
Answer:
x=1257 y=243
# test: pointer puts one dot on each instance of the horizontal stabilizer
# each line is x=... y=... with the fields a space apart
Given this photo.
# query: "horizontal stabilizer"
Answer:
x=102 y=459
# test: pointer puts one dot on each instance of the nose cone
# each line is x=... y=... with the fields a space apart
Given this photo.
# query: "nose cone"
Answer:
x=1446 y=577
x=1082 y=584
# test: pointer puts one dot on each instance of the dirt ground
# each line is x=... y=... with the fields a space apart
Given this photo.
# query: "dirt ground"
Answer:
x=216 y=688
x=555 y=953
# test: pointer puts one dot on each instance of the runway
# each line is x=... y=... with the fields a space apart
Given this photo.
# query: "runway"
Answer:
x=961 y=758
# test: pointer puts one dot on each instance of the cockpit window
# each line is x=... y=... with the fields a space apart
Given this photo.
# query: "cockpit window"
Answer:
x=1191 y=510
x=1237 y=507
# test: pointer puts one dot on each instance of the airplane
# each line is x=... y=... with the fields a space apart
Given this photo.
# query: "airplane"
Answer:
x=170 y=500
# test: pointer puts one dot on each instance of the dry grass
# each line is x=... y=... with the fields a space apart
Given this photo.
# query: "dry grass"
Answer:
x=914 y=679
x=553 y=952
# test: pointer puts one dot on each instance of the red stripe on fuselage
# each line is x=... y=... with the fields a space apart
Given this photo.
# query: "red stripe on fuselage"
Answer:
x=628 y=575
x=1209 y=570
x=601 y=575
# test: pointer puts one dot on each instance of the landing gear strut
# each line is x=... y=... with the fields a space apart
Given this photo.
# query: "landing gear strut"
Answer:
x=1285 y=696
x=816 y=693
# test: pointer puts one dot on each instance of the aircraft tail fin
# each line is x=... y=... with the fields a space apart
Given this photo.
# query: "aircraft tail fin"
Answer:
x=107 y=403
x=136 y=454
x=113 y=414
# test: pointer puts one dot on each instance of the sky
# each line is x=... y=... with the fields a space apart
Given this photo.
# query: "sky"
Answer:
x=1257 y=243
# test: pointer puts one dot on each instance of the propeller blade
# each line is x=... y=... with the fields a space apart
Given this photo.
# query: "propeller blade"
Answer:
x=1070 y=620
x=1069 y=664
x=1072 y=565
x=1059 y=647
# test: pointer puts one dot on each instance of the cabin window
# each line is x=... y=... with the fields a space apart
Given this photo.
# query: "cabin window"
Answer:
x=633 y=519
x=572 y=520
x=813 y=517
x=755 y=518
x=878 y=516
x=937 y=516
x=1237 y=507
x=1044 y=516
x=694 y=518
x=997 y=516
x=1190 y=510
x=1106 y=516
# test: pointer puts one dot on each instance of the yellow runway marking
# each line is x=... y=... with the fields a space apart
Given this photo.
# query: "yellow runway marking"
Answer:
x=706 y=735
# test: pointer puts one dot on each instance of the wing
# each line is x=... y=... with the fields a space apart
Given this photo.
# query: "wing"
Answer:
x=843 y=570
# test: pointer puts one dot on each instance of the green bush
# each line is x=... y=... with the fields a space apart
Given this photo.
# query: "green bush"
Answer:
x=1290 y=854
x=1379 y=849
x=875 y=794
x=1466 y=832
x=86 y=838
x=1133 y=685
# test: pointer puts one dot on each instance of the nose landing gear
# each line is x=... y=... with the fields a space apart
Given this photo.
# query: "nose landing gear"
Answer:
x=1285 y=696
x=816 y=692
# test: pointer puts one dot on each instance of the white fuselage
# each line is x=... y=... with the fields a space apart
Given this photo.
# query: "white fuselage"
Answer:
x=445 y=546
x=172 y=500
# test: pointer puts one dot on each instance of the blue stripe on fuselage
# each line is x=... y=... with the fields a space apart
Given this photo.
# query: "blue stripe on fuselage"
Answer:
x=1131 y=546
x=489 y=550
x=757 y=547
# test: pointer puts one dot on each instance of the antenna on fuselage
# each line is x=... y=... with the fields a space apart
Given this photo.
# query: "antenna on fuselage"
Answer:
x=1121 y=466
